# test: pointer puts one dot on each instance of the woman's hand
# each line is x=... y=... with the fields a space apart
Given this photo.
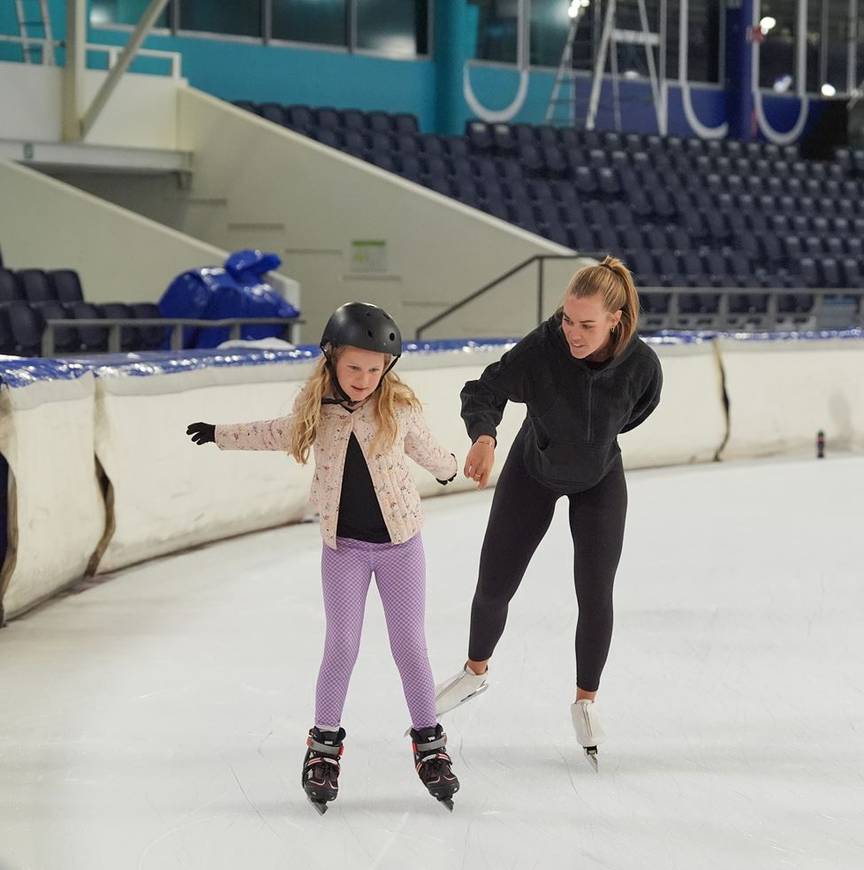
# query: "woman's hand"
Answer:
x=202 y=433
x=480 y=459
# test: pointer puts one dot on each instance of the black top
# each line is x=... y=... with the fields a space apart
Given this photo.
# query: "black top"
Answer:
x=360 y=515
x=576 y=408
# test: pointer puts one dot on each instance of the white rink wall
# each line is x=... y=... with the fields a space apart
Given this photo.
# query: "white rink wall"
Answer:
x=162 y=494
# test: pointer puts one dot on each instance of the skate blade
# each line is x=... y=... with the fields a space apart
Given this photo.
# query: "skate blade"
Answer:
x=321 y=806
x=591 y=755
x=464 y=700
x=446 y=802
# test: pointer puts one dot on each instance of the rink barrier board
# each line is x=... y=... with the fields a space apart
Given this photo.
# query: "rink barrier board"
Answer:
x=129 y=413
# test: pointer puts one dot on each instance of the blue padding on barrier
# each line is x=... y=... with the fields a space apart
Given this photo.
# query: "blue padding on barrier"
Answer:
x=22 y=372
x=661 y=336
x=142 y=365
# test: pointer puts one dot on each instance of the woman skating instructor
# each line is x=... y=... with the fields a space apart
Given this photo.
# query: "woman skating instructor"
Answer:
x=585 y=377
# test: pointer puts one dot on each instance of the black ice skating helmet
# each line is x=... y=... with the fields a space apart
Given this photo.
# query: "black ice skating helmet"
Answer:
x=363 y=325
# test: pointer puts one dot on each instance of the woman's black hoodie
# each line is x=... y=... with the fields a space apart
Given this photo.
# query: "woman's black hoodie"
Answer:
x=575 y=408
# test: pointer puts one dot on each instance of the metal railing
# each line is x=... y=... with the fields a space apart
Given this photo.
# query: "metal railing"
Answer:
x=112 y=51
x=115 y=327
x=819 y=315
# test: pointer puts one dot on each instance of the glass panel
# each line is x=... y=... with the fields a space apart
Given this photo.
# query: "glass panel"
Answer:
x=704 y=20
x=124 y=12
x=239 y=17
x=837 y=45
x=393 y=26
x=319 y=21
x=777 y=54
x=498 y=30
x=550 y=24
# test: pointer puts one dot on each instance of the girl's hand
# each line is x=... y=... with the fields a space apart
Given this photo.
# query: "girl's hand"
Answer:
x=202 y=433
x=480 y=459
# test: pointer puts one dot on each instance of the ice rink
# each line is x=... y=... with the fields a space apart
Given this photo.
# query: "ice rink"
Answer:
x=156 y=718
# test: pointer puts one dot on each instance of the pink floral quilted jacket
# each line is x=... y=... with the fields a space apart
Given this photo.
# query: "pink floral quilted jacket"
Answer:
x=391 y=477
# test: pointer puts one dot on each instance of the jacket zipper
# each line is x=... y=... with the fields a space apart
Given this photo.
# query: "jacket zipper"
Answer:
x=590 y=385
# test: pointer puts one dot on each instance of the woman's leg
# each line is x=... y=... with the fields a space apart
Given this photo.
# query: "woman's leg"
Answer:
x=521 y=512
x=400 y=572
x=597 y=525
x=345 y=576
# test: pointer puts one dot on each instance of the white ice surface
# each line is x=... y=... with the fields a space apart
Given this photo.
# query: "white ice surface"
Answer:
x=157 y=719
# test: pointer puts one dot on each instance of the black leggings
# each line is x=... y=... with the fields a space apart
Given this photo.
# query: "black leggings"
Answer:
x=521 y=512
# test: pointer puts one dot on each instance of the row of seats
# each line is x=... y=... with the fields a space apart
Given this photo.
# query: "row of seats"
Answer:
x=22 y=325
x=506 y=138
x=661 y=200
x=38 y=285
x=305 y=118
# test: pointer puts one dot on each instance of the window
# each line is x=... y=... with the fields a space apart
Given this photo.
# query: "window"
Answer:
x=124 y=12
x=703 y=40
x=320 y=21
x=836 y=46
x=497 y=30
x=393 y=26
x=778 y=51
x=550 y=25
x=239 y=17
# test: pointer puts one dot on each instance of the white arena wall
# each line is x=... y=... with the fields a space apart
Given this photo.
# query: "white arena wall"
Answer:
x=163 y=494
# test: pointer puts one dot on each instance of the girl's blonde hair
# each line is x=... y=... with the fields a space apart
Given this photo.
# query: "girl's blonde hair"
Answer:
x=391 y=394
x=612 y=280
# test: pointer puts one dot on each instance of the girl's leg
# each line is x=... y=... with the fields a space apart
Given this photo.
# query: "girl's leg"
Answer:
x=521 y=512
x=345 y=576
x=597 y=525
x=400 y=572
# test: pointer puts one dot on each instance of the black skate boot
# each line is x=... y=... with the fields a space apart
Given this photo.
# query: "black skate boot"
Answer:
x=320 y=776
x=433 y=764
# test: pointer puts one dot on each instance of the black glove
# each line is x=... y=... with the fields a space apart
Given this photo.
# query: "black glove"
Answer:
x=445 y=482
x=202 y=433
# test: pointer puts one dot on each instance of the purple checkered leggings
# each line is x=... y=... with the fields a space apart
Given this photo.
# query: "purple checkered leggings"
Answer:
x=400 y=572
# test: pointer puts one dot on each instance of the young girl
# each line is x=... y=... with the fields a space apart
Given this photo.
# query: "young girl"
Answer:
x=362 y=421
x=585 y=377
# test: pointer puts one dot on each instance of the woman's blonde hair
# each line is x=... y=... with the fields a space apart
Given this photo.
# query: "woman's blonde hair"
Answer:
x=613 y=281
x=391 y=394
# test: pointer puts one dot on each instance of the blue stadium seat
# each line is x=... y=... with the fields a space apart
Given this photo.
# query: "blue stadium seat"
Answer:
x=354 y=119
x=67 y=285
x=504 y=140
x=406 y=143
x=35 y=285
x=327 y=118
x=356 y=143
x=406 y=124
x=432 y=145
x=380 y=122
x=26 y=325
x=555 y=161
x=531 y=159
x=93 y=338
x=10 y=290
x=151 y=337
x=299 y=118
x=276 y=113
x=66 y=338
x=129 y=337
x=410 y=166
x=328 y=136
x=479 y=136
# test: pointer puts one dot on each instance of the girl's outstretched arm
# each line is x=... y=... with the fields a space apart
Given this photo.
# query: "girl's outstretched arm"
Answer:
x=422 y=446
x=260 y=435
